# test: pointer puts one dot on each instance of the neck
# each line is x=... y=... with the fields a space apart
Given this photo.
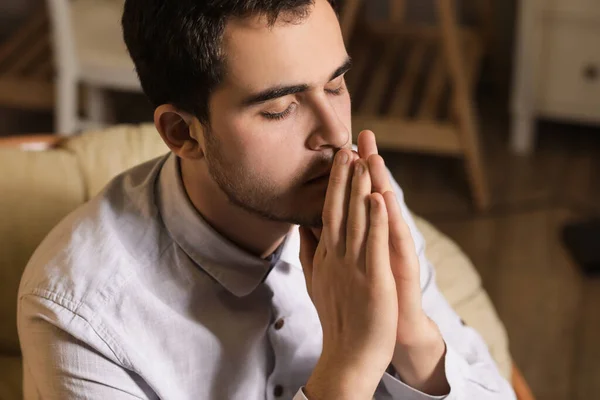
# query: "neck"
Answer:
x=248 y=231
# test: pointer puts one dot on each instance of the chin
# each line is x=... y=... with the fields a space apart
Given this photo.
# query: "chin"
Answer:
x=303 y=207
x=309 y=215
x=312 y=221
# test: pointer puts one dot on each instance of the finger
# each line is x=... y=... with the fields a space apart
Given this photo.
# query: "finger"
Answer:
x=336 y=199
x=308 y=248
x=320 y=251
x=377 y=246
x=358 y=212
x=401 y=240
x=317 y=233
x=379 y=174
x=367 y=145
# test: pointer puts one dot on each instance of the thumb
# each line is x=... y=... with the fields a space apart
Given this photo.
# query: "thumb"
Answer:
x=308 y=247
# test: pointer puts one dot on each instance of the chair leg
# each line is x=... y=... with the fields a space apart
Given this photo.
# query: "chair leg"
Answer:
x=468 y=132
x=66 y=109
x=97 y=108
x=463 y=109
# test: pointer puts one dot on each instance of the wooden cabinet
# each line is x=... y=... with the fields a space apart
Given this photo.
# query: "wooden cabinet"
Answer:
x=569 y=75
x=557 y=69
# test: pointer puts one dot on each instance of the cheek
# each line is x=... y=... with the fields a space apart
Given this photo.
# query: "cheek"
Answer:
x=265 y=151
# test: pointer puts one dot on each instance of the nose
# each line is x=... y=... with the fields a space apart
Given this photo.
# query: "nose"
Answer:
x=330 y=130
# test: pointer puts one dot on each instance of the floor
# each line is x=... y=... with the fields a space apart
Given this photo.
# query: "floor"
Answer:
x=550 y=309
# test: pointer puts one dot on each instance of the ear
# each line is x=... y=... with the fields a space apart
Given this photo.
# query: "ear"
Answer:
x=181 y=131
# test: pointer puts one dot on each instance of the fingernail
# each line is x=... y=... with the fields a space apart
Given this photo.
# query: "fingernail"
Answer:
x=360 y=168
x=343 y=157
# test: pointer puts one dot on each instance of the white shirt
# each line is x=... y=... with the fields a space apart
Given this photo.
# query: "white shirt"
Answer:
x=135 y=296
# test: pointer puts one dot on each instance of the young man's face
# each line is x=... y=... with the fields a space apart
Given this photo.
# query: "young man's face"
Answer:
x=263 y=148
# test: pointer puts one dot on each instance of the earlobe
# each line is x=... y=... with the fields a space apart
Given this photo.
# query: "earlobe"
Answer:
x=191 y=149
x=178 y=131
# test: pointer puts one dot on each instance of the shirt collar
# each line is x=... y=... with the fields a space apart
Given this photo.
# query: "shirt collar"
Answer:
x=237 y=270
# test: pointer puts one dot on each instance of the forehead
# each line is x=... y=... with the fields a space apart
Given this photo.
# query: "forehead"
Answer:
x=305 y=51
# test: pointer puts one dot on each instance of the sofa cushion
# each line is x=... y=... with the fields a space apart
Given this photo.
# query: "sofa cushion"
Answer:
x=104 y=154
x=11 y=383
x=455 y=274
x=479 y=314
x=37 y=189
x=460 y=284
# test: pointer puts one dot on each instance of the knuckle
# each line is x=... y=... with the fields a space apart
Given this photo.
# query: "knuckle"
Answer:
x=377 y=225
x=378 y=220
x=336 y=179
x=357 y=189
x=329 y=217
x=355 y=228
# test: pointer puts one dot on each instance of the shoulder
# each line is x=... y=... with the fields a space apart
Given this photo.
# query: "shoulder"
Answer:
x=85 y=256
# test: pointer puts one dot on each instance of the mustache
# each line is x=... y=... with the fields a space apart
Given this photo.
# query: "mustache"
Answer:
x=319 y=167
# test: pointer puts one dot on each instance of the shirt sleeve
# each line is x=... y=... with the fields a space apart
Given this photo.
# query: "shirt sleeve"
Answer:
x=470 y=369
x=64 y=359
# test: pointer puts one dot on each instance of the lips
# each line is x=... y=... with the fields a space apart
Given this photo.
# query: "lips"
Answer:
x=320 y=174
x=319 y=179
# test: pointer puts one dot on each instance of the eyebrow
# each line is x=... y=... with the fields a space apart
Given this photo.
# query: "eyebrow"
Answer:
x=281 y=91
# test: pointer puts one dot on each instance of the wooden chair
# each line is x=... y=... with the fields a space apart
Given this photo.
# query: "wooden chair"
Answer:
x=26 y=66
x=89 y=54
x=66 y=57
x=412 y=84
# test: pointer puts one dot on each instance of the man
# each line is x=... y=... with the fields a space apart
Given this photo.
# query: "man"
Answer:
x=183 y=279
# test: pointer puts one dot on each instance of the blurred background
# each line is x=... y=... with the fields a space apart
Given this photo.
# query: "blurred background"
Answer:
x=487 y=113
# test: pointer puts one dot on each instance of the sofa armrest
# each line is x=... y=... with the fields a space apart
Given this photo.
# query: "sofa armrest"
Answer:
x=31 y=142
x=38 y=189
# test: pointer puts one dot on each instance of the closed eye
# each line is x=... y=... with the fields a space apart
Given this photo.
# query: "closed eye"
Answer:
x=336 y=92
x=279 y=115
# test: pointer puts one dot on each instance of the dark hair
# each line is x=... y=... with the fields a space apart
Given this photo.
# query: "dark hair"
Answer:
x=176 y=45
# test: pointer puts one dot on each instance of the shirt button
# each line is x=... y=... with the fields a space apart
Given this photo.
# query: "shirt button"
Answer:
x=279 y=324
x=278 y=391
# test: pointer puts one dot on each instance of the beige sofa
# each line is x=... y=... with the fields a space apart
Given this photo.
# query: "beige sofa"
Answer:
x=44 y=178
